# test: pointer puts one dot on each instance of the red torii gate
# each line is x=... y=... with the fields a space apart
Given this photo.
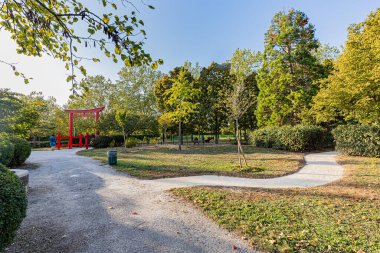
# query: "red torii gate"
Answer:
x=84 y=113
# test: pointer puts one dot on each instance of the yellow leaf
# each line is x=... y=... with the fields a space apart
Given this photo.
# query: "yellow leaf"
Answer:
x=106 y=19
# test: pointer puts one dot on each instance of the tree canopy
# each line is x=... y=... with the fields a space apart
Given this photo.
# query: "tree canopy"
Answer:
x=352 y=91
x=290 y=70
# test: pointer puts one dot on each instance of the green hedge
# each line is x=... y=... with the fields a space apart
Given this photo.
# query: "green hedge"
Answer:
x=361 y=140
x=292 y=138
x=22 y=151
x=7 y=150
x=101 y=142
x=13 y=204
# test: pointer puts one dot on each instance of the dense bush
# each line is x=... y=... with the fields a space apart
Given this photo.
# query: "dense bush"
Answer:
x=13 y=205
x=119 y=140
x=101 y=142
x=22 y=151
x=7 y=149
x=363 y=140
x=131 y=142
x=292 y=138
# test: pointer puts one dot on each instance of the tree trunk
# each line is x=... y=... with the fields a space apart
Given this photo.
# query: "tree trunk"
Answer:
x=164 y=135
x=216 y=141
x=125 y=139
x=180 y=135
x=240 y=148
x=238 y=141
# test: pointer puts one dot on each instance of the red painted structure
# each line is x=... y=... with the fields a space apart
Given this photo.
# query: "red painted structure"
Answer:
x=78 y=114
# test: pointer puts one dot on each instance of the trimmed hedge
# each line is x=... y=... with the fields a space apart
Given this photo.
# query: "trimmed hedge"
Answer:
x=22 y=151
x=361 y=140
x=13 y=204
x=101 y=142
x=7 y=150
x=292 y=138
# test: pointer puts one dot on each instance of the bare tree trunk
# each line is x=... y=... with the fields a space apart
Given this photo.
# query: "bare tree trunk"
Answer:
x=216 y=141
x=240 y=148
x=164 y=135
x=125 y=139
x=180 y=135
x=238 y=141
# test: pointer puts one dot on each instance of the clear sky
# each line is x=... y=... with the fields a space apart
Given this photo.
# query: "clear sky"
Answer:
x=196 y=30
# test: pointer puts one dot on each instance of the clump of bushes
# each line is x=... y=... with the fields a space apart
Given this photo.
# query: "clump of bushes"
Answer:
x=292 y=138
x=7 y=150
x=13 y=204
x=361 y=140
x=22 y=151
x=13 y=151
x=101 y=142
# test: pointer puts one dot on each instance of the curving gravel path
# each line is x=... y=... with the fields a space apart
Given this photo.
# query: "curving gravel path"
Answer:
x=78 y=205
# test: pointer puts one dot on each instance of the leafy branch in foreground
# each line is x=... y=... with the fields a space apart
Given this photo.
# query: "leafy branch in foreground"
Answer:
x=47 y=26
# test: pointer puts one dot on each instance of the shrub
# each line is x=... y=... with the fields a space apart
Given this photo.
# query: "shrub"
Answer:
x=13 y=205
x=292 y=138
x=21 y=152
x=131 y=142
x=119 y=140
x=363 y=140
x=7 y=150
x=101 y=142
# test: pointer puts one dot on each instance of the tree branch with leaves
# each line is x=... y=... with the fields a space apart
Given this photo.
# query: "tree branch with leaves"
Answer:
x=52 y=27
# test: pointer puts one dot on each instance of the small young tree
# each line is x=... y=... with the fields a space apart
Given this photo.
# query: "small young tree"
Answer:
x=165 y=121
x=128 y=122
x=240 y=99
x=180 y=100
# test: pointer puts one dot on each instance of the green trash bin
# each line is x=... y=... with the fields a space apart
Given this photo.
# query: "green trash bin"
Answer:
x=112 y=157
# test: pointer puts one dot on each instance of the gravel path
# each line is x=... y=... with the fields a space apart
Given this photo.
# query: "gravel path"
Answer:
x=78 y=205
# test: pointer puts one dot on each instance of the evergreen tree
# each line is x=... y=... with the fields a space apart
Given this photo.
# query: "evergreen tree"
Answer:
x=288 y=78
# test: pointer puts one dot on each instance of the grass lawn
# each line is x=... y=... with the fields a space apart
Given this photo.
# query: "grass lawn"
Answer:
x=159 y=162
x=340 y=217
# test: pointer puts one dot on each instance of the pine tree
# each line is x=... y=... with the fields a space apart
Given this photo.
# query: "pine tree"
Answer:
x=288 y=78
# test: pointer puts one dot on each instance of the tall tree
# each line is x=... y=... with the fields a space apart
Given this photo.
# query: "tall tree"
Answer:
x=51 y=27
x=214 y=84
x=288 y=78
x=241 y=98
x=180 y=100
x=352 y=92
x=135 y=89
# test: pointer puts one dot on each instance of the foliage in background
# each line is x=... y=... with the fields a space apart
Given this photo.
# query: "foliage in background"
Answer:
x=352 y=91
x=362 y=140
x=288 y=78
x=13 y=204
x=297 y=138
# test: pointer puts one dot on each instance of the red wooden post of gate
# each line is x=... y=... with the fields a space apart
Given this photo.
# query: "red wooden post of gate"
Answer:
x=70 y=130
x=80 y=140
x=58 y=141
x=86 y=141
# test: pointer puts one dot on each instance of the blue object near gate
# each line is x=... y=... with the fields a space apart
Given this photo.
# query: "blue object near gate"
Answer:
x=112 y=157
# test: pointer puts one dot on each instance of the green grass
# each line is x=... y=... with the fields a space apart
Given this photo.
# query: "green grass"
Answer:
x=159 y=162
x=341 y=217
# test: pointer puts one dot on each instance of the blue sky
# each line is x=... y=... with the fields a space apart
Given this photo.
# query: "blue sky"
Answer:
x=196 y=30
